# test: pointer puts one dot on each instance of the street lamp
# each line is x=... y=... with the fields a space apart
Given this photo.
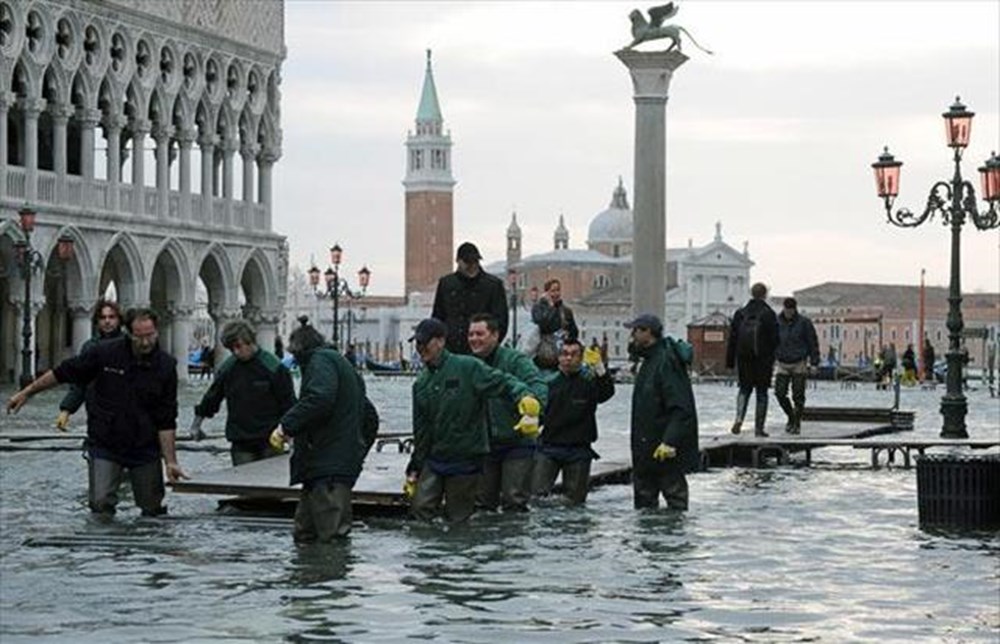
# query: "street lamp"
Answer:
x=28 y=261
x=954 y=201
x=336 y=286
x=512 y=279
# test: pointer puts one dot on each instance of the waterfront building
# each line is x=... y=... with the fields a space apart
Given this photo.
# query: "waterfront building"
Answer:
x=146 y=131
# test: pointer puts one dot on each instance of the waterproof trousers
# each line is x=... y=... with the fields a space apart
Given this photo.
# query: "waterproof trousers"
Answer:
x=452 y=496
x=105 y=477
x=575 y=478
x=324 y=512
x=506 y=481
x=794 y=374
x=650 y=482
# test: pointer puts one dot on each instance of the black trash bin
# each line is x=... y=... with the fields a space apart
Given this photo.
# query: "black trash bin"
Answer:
x=959 y=491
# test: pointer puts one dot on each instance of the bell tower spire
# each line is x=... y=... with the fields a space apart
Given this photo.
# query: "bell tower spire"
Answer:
x=429 y=187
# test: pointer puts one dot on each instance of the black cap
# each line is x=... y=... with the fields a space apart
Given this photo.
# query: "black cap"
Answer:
x=427 y=329
x=646 y=321
x=468 y=252
x=790 y=303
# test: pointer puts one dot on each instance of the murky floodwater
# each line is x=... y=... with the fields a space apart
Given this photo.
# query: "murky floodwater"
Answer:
x=830 y=553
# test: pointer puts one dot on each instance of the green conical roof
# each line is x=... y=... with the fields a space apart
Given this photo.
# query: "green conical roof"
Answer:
x=429 y=109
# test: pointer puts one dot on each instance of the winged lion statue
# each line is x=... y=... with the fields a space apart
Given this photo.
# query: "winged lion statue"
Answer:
x=653 y=29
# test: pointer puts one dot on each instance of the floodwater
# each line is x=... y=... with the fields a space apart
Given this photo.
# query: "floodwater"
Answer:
x=831 y=552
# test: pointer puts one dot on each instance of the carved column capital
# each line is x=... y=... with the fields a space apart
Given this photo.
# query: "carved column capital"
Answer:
x=162 y=133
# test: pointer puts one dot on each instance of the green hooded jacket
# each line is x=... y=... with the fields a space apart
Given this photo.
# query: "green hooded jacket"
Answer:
x=501 y=411
x=663 y=407
x=449 y=408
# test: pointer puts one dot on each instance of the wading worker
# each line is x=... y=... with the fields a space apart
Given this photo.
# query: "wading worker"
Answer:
x=325 y=427
x=107 y=320
x=467 y=291
x=571 y=423
x=450 y=440
x=132 y=418
x=664 y=418
x=257 y=389
x=506 y=478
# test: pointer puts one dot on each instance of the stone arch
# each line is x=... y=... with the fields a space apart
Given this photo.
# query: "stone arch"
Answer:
x=216 y=270
x=257 y=282
x=122 y=264
x=177 y=287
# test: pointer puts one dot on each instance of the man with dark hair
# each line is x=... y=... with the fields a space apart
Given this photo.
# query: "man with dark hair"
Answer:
x=664 y=418
x=325 y=424
x=467 y=291
x=753 y=339
x=257 y=389
x=132 y=419
x=506 y=478
x=450 y=440
x=571 y=423
x=797 y=344
x=107 y=320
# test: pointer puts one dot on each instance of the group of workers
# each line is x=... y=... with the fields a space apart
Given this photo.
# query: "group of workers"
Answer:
x=490 y=429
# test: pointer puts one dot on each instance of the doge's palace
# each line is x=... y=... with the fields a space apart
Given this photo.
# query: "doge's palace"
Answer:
x=145 y=131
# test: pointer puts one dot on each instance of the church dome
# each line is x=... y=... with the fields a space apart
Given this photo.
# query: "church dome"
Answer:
x=613 y=224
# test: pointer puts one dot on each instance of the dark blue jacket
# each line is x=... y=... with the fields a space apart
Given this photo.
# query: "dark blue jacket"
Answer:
x=133 y=398
x=77 y=394
x=797 y=340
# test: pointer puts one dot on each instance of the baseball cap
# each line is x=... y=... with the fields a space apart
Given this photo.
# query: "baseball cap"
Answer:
x=646 y=321
x=427 y=329
x=468 y=252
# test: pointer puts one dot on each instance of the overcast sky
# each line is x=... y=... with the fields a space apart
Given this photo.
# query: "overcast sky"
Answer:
x=773 y=136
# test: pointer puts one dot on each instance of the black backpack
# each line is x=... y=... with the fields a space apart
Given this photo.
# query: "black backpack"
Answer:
x=748 y=335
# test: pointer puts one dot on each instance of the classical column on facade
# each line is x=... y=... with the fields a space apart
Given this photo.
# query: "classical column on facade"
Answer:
x=140 y=128
x=266 y=323
x=88 y=118
x=178 y=325
x=248 y=153
x=82 y=326
x=651 y=73
x=31 y=108
x=113 y=124
x=265 y=161
x=184 y=140
x=162 y=135
x=222 y=315
x=705 y=279
x=60 y=117
x=206 y=143
x=6 y=101
x=229 y=147
x=688 y=298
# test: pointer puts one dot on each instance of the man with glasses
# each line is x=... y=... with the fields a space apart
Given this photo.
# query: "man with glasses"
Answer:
x=107 y=320
x=132 y=419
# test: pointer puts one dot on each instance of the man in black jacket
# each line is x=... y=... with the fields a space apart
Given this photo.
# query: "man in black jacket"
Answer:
x=467 y=291
x=133 y=415
x=797 y=343
x=753 y=338
x=107 y=319
x=570 y=422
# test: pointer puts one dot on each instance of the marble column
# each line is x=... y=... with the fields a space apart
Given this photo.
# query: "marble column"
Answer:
x=60 y=117
x=651 y=73
x=82 y=325
x=162 y=134
x=181 y=328
x=248 y=154
x=32 y=109
x=228 y=150
x=88 y=119
x=112 y=133
x=140 y=128
x=6 y=100
x=184 y=140
x=207 y=146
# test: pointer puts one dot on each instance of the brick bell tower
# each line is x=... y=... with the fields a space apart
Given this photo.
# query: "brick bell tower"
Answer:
x=429 y=186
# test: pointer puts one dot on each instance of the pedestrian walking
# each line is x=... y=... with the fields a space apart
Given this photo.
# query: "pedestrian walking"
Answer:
x=798 y=348
x=257 y=389
x=506 y=477
x=107 y=320
x=467 y=291
x=450 y=439
x=132 y=418
x=927 y=360
x=571 y=422
x=753 y=338
x=664 y=418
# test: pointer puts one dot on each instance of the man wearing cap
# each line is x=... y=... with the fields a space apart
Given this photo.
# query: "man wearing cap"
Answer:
x=796 y=343
x=467 y=291
x=450 y=440
x=664 y=418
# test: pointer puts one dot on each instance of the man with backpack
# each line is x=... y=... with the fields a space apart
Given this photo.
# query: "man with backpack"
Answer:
x=664 y=418
x=753 y=339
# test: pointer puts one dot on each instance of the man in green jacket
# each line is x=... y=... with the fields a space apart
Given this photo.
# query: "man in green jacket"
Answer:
x=664 y=418
x=325 y=426
x=506 y=478
x=450 y=439
x=257 y=389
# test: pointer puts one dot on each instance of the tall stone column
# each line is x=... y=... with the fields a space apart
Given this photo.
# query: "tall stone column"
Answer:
x=207 y=146
x=248 y=153
x=60 y=117
x=184 y=140
x=162 y=134
x=112 y=133
x=228 y=150
x=88 y=119
x=181 y=327
x=82 y=326
x=32 y=109
x=140 y=128
x=6 y=100
x=651 y=73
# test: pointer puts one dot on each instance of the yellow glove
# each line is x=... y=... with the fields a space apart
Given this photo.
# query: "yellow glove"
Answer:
x=62 y=421
x=529 y=406
x=409 y=488
x=663 y=452
x=528 y=426
x=592 y=358
x=277 y=439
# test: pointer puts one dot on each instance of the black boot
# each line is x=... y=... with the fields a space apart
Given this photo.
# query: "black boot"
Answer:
x=759 y=417
x=742 y=400
x=796 y=421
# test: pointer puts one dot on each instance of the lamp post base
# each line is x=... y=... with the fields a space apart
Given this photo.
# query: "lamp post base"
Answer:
x=954 y=409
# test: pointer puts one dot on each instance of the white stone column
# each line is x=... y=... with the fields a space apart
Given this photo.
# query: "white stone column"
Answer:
x=184 y=140
x=32 y=109
x=60 y=116
x=651 y=73
x=140 y=129
x=228 y=150
x=181 y=331
x=112 y=132
x=6 y=100
x=88 y=119
x=162 y=134
x=82 y=325
x=207 y=146
x=248 y=154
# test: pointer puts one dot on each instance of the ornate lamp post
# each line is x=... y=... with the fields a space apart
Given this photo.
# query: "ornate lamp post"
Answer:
x=954 y=201
x=335 y=287
x=512 y=279
x=28 y=261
